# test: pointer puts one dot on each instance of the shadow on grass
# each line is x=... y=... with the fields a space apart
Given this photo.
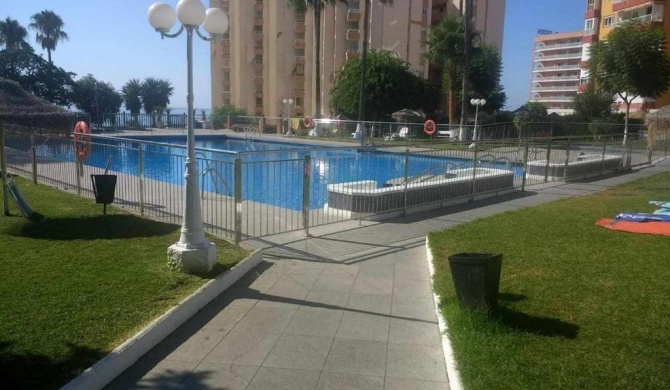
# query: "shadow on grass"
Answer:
x=542 y=326
x=34 y=371
x=100 y=227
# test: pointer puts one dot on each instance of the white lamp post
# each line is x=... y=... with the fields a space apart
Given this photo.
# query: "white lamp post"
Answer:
x=193 y=253
x=288 y=103
x=477 y=103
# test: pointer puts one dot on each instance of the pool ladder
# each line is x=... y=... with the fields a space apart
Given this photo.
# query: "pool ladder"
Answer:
x=215 y=175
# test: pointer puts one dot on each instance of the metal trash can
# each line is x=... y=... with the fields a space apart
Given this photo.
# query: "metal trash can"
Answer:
x=104 y=187
x=476 y=279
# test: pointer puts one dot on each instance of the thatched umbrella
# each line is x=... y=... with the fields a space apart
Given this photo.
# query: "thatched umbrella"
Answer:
x=17 y=106
x=658 y=126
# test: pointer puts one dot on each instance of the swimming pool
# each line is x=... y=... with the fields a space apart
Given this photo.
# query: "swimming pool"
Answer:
x=273 y=177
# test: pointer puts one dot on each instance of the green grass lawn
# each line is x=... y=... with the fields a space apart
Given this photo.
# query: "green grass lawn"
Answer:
x=581 y=306
x=76 y=285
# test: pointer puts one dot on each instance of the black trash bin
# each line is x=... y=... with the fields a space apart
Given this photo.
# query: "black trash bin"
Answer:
x=104 y=187
x=476 y=279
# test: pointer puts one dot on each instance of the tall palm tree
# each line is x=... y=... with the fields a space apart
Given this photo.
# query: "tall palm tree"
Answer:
x=156 y=94
x=49 y=27
x=132 y=90
x=445 y=48
x=13 y=36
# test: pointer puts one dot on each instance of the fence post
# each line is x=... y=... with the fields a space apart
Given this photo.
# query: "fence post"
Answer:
x=525 y=164
x=474 y=172
x=228 y=125
x=3 y=171
x=305 y=193
x=602 y=160
x=548 y=157
x=140 y=167
x=33 y=157
x=405 y=181
x=238 y=200
x=567 y=161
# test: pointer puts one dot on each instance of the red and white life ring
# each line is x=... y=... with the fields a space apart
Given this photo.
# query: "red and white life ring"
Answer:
x=429 y=127
x=82 y=141
x=307 y=121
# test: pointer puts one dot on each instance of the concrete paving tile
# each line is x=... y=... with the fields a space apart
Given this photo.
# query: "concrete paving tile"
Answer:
x=340 y=269
x=219 y=376
x=280 y=266
x=228 y=317
x=412 y=261
x=243 y=348
x=341 y=283
x=375 y=285
x=414 y=384
x=306 y=268
x=414 y=308
x=269 y=378
x=411 y=273
x=363 y=326
x=414 y=332
x=299 y=352
x=265 y=320
x=327 y=299
x=416 y=362
x=357 y=357
x=283 y=298
x=166 y=374
x=387 y=259
x=192 y=348
x=295 y=282
x=313 y=321
x=262 y=282
x=377 y=271
x=369 y=303
x=412 y=288
x=340 y=381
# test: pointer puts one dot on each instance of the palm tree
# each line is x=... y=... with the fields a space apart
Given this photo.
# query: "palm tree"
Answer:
x=445 y=49
x=131 y=91
x=155 y=94
x=13 y=36
x=49 y=27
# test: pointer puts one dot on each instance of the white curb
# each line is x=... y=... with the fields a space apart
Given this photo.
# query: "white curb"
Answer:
x=452 y=368
x=122 y=357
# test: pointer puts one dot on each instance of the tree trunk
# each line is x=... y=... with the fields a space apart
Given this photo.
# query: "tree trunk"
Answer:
x=49 y=55
x=466 y=70
x=625 y=122
x=364 y=63
x=451 y=104
x=317 y=56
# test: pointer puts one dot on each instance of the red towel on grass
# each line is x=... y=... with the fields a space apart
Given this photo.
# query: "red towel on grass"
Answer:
x=662 y=228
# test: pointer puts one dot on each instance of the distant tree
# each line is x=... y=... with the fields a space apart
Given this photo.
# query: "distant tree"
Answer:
x=531 y=112
x=220 y=114
x=13 y=36
x=485 y=73
x=49 y=27
x=155 y=94
x=38 y=76
x=632 y=62
x=391 y=86
x=96 y=98
x=592 y=104
x=131 y=91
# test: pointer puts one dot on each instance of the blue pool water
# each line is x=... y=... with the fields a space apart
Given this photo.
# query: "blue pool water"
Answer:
x=264 y=179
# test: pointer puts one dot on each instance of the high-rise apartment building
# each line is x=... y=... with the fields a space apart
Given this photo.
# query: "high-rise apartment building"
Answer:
x=602 y=16
x=267 y=54
x=556 y=70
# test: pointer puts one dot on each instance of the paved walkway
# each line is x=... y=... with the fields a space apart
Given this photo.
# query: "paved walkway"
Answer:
x=349 y=307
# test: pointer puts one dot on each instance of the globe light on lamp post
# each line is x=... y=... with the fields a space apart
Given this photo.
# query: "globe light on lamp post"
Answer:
x=288 y=103
x=192 y=253
x=477 y=103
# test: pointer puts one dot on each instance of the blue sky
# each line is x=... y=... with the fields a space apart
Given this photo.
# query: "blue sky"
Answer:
x=113 y=41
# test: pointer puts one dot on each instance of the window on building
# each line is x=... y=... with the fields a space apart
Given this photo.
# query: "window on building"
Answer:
x=590 y=5
x=608 y=21
x=588 y=25
x=259 y=101
x=299 y=70
x=226 y=102
x=424 y=11
x=352 y=46
x=258 y=59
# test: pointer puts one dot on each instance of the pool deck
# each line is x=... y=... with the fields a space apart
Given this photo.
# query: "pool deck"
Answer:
x=350 y=306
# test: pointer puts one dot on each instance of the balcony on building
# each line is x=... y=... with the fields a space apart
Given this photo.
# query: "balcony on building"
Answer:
x=299 y=44
x=258 y=80
x=258 y=6
x=353 y=34
x=353 y=15
x=258 y=36
x=258 y=50
x=619 y=5
x=540 y=78
x=225 y=94
x=259 y=93
x=299 y=27
x=298 y=78
x=558 y=56
x=298 y=92
x=299 y=60
x=649 y=11
x=553 y=98
x=258 y=65
x=258 y=21
x=555 y=88
x=351 y=55
x=225 y=64
x=556 y=46
x=556 y=67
